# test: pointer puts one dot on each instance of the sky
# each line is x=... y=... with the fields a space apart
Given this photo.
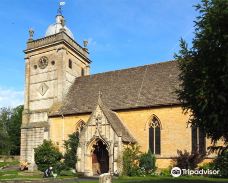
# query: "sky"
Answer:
x=121 y=34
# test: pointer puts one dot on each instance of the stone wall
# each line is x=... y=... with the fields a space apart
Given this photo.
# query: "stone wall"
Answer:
x=61 y=127
x=30 y=139
x=174 y=131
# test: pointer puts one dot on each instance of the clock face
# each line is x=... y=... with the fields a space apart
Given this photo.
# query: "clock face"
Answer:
x=43 y=62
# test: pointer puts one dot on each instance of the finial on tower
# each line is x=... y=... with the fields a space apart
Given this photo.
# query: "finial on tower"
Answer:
x=31 y=33
x=61 y=4
x=85 y=44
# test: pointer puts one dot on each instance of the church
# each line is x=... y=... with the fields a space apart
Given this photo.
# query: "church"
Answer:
x=109 y=110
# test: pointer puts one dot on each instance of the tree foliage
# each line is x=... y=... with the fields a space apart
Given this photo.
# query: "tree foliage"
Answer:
x=46 y=155
x=204 y=70
x=10 y=132
x=5 y=114
x=71 y=145
x=221 y=163
x=15 y=130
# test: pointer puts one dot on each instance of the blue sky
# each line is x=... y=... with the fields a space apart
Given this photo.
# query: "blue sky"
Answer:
x=121 y=33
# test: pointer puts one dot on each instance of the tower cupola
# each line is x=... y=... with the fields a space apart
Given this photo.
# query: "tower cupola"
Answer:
x=58 y=26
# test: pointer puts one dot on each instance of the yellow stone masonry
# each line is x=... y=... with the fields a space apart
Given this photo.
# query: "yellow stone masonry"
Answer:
x=175 y=133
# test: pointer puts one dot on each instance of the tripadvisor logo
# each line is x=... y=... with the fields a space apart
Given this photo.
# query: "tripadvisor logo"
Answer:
x=176 y=172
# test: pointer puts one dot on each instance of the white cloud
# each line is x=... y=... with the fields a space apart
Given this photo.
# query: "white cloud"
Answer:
x=11 y=97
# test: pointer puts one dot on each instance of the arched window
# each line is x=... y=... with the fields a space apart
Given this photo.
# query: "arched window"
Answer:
x=79 y=126
x=155 y=135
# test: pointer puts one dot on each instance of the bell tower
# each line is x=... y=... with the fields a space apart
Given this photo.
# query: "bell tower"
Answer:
x=51 y=65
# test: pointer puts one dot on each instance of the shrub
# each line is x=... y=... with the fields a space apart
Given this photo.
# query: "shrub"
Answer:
x=131 y=156
x=166 y=172
x=208 y=166
x=185 y=160
x=71 y=145
x=59 y=167
x=46 y=155
x=147 y=162
x=221 y=163
x=205 y=166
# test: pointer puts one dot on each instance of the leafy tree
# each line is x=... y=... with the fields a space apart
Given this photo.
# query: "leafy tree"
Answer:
x=147 y=161
x=131 y=155
x=14 y=130
x=10 y=124
x=204 y=70
x=221 y=163
x=46 y=155
x=71 y=145
x=5 y=114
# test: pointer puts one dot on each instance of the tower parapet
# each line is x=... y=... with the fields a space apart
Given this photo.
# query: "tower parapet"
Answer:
x=58 y=38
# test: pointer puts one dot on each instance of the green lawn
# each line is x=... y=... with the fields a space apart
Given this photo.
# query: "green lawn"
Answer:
x=16 y=174
x=25 y=175
x=166 y=180
x=2 y=164
x=171 y=179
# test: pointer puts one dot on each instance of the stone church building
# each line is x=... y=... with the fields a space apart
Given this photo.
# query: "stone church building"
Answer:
x=109 y=110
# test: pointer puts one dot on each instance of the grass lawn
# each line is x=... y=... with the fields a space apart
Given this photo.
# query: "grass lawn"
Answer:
x=3 y=164
x=171 y=179
x=25 y=175
x=165 y=180
x=16 y=174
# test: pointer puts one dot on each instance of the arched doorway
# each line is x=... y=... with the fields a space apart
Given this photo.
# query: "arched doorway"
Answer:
x=100 y=158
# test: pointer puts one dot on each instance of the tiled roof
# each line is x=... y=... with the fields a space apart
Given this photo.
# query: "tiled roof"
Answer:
x=144 y=86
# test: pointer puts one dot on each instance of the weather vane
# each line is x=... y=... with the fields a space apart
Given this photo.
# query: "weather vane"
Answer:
x=61 y=4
